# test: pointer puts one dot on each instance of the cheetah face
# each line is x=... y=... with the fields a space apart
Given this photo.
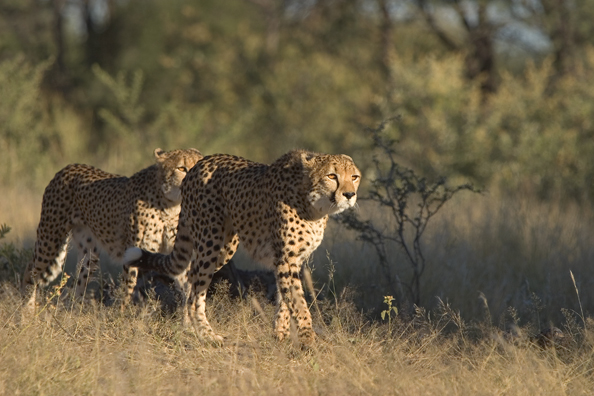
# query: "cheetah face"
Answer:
x=173 y=168
x=335 y=180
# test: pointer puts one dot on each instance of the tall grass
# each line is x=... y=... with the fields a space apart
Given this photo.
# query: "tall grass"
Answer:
x=515 y=252
x=102 y=351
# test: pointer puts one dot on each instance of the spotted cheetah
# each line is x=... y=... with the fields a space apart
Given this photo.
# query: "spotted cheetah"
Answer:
x=99 y=209
x=279 y=213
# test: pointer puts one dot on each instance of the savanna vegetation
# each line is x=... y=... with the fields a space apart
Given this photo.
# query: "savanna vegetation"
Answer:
x=480 y=110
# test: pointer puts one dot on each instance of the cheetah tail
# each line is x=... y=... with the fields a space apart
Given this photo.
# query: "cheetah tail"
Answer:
x=132 y=254
x=136 y=257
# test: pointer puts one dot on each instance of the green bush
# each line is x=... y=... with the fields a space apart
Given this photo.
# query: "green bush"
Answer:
x=36 y=135
x=530 y=136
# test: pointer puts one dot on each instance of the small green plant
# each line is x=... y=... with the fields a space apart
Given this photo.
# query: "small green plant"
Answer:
x=4 y=229
x=125 y=115
x=388 y=301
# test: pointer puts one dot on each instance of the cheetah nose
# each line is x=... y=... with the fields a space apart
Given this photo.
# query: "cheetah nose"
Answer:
x=349 y=195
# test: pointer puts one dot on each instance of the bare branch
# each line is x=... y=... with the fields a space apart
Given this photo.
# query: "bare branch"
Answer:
x=396 y=188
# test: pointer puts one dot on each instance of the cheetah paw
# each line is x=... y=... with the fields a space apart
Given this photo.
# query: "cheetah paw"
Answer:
x=307 y=337
x=212 y=339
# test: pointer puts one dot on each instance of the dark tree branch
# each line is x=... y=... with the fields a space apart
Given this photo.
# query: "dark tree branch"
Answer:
x=397 y=188
x=478 y=46
x=439 y=32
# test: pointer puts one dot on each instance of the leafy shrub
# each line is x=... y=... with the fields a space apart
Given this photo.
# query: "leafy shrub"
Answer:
x=35 y=136
x=529 y=136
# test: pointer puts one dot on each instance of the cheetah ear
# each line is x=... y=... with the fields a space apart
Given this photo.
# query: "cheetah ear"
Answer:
x=307 y=156
x=196 y=151
x=159 y=154
x=347 y=157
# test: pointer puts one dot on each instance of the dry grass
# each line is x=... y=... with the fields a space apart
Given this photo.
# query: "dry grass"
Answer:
x=100 y=351
x=515 y=252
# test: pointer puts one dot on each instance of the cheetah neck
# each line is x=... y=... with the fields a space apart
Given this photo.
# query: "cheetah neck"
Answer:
x=315 y=215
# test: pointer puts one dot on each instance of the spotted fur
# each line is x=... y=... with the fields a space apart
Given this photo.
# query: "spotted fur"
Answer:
x=279 y=213
x=97 y=209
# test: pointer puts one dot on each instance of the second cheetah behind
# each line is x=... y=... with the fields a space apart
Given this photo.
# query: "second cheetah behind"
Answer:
x=279 y=213
x=99 y=209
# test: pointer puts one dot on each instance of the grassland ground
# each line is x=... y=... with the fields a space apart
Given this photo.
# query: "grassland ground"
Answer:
x=498 y=273
x=70 y=349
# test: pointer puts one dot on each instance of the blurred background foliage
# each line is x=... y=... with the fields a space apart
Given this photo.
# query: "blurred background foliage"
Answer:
x=496 y=92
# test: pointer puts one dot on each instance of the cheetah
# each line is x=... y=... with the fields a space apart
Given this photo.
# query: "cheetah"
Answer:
x=99 y=209
x=278 y=212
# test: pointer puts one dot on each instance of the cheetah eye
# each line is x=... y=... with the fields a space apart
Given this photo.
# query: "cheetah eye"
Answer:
x=356 y=177
x=182 y=169
x=332 y=176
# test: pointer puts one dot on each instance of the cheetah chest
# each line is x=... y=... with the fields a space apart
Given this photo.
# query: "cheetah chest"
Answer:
x=269 y=240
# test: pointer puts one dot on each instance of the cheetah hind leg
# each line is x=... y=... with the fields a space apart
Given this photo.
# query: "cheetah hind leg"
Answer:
x=31 y=300
x=29 y=289
x=183 y=287
x=88 y=259
x=38 y=273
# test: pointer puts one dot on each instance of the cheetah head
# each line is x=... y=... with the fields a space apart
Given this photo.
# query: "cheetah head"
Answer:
x=173 y=166
x=334 y=182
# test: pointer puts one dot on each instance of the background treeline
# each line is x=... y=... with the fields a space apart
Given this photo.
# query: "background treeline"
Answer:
x=496 y=92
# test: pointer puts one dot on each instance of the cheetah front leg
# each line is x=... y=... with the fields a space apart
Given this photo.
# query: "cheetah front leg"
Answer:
x=130 y=280
x=197 y=313
x=292 y=301
x=282 y=319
